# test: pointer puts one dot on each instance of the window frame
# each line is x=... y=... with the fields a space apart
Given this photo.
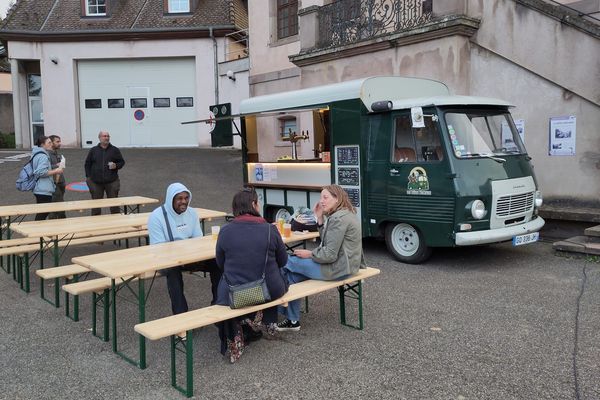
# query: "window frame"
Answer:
x=291 y=18
x=86 y=5
x=122 y=103
x=416 y=143
x=138 y=98
x=183 y=98
x=89 y=107
x=169 y=10
x=168 y=99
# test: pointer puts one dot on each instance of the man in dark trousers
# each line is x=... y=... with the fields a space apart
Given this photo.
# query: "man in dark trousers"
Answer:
x=101 y=170
x=56 y=160
x=175 y=220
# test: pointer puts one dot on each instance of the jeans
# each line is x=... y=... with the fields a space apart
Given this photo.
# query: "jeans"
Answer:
x=58 y=196
x=97 y=191
x=42 y=198
x=297 y=270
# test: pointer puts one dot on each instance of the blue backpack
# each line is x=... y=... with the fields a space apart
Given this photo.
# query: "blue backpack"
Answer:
x=27 y=180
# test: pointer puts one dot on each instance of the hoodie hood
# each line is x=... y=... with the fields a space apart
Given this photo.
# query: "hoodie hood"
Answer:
x=37 y=149
x=173 y=190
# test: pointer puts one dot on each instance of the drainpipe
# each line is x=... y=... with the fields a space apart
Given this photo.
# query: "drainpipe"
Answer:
x=215 y=50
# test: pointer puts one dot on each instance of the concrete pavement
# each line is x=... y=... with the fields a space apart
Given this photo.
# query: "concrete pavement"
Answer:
x=490 y=322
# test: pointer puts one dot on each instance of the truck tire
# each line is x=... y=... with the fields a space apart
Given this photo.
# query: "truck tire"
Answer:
x=279 y=212
x=406 y=243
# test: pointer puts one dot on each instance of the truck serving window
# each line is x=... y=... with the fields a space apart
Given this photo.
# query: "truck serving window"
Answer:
x=483 y=134
x=416 y=144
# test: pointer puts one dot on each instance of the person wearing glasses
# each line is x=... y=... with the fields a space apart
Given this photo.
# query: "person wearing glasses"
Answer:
x=102 y=166
x=246 y=248
x=338 y=255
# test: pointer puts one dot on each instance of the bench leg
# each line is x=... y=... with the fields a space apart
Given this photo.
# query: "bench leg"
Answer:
x=187 y=349
x=75 y=316
x=351 y=291
x=26 y=265
x=103 y=300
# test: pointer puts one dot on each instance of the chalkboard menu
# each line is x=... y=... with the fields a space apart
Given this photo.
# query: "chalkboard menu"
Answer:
x=354 y=195
x=348 y=176
x=347 y=156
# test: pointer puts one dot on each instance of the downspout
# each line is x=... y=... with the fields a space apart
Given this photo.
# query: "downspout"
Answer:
x=216 y=67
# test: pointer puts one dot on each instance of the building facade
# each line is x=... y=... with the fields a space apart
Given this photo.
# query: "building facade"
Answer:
x=134 y=68
x=541 y=57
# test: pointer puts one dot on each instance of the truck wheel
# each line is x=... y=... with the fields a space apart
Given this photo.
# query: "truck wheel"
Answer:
x=406 y=243
x=279 y=212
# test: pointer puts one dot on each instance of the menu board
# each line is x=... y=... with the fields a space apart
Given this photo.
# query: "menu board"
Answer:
x=347 y=172
x=347 y=155
x=348 y=176
x=354 y=195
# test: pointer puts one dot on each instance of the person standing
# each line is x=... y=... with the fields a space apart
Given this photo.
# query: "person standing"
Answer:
x=101 y=170
x=44 y=184
x=56 y=160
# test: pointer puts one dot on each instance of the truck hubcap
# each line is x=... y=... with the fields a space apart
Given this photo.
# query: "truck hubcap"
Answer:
x=405 y=239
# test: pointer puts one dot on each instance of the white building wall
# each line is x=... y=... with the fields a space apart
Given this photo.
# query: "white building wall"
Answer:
x=59 y=81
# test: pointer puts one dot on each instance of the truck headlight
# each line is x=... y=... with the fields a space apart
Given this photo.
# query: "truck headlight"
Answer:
x=478 y=209
x=538 y=199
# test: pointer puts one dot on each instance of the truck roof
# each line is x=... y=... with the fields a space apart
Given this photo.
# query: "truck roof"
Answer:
x=448 y=101
x=369 y=90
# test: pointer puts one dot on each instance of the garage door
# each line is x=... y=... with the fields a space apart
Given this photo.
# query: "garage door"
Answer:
x=141 y=102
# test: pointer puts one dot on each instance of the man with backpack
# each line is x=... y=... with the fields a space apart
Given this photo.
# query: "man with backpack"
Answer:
x=101 y=171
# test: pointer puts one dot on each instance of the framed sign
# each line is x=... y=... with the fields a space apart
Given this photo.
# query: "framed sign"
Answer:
x=563 y=133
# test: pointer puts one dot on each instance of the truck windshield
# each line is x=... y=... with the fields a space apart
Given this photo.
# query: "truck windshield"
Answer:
x=483 y=134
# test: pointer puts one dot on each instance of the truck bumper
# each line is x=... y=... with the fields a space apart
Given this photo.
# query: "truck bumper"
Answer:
x=498 y=235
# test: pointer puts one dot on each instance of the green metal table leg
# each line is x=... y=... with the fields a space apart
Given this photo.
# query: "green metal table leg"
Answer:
x=113 y=305
x=188 y=390
x=106 y=304
x=27 y=273
x=142 y=318
x=94 y=304
x=353 y=291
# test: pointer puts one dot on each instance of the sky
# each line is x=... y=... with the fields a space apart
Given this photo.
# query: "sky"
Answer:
x=3 y=7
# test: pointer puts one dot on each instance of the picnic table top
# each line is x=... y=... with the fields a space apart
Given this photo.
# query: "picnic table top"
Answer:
x=139 y=260
x=57 y=227
x=27 y=209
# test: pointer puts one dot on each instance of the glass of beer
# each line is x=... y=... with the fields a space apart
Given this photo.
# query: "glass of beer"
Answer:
x=287 y=230
x=214 y=230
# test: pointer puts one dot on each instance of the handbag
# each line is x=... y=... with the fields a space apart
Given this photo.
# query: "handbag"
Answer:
x=250 y=293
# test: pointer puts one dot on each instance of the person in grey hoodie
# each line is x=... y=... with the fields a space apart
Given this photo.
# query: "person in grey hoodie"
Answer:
x=175 y=220
x=338 y=255
x=44 y=185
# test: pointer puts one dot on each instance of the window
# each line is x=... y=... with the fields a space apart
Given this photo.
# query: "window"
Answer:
x=286 y=126
x=185 y=102
x=416 y=144
x=116 y=103
x=162 y=102
x=95 y=7
x=179 y=6
x=93 y=103
x=287 y=18
x=138 y=103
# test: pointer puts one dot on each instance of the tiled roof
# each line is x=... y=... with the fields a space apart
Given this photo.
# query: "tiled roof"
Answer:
x=37 y=17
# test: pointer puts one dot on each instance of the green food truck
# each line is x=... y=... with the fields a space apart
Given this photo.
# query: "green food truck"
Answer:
x=423 y=168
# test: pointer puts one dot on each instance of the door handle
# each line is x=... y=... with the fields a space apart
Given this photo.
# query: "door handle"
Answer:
x=394 y=171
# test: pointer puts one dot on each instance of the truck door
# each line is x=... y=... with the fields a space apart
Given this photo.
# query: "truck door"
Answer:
x=419 y=189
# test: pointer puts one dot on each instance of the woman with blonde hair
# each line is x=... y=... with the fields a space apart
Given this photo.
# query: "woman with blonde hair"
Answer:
x=338 y=255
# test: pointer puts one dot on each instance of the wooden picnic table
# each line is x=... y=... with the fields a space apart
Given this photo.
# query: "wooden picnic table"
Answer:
x=122 y=266
x=55 y=230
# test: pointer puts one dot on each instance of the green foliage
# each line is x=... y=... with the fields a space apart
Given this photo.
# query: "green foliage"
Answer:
x=7 y=140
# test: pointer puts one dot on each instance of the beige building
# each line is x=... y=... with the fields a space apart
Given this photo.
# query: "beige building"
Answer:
x=541 y=57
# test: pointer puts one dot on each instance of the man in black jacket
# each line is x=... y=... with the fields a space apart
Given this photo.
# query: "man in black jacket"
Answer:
x=101 y=170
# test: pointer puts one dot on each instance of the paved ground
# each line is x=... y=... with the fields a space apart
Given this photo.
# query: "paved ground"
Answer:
x=491 y=322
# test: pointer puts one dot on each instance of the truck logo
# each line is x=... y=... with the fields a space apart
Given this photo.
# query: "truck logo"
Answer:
x=417 y=182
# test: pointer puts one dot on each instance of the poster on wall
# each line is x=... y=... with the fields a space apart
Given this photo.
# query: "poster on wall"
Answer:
x=562 y=136
x=507 y=137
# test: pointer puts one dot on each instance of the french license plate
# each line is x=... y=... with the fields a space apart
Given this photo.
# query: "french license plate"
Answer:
x=525 y=239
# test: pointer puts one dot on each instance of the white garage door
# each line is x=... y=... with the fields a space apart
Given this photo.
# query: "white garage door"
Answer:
x=140 y=102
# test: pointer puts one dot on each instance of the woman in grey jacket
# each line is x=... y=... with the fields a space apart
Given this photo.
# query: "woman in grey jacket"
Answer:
x=339 y=255
x=44 y=185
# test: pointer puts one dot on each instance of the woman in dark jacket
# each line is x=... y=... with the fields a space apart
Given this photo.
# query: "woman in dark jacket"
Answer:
x=242 y=247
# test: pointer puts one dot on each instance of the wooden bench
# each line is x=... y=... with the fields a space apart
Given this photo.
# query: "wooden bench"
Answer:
x=69 y=273
x=99 y=289
x=350 y=287
x=21 y=248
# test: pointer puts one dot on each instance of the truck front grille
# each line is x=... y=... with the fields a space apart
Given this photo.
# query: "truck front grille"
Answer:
x=507 y=206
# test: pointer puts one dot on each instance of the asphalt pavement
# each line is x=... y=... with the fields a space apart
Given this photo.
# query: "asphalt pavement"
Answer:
x=489 y=322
